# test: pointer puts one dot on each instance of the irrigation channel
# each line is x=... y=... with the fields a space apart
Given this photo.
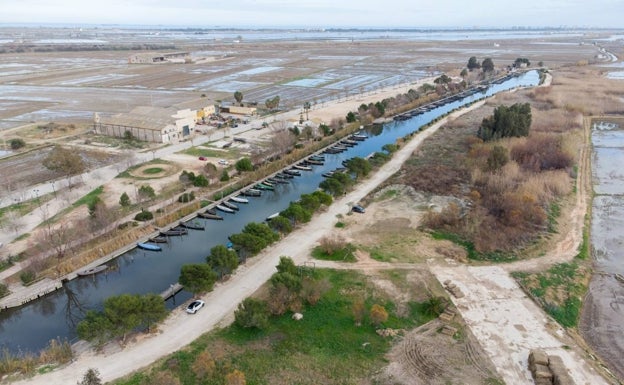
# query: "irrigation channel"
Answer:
x=29 y=328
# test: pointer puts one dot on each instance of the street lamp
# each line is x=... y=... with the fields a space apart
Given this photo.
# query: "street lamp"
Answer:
x=53 y=189
x=37 y=197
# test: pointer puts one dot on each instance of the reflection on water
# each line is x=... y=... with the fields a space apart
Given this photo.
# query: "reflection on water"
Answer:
x=138 y=271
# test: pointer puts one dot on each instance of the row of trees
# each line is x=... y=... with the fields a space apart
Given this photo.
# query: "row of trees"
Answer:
x=487 y=65
x=121 y=315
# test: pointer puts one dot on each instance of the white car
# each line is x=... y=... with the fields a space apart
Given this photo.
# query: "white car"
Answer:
x=194 y=306
x=223 y=162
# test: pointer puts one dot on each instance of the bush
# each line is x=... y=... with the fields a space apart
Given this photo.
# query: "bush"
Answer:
x=124 y=200
x=16 y=144
x=146 y=191
x=144 y=215
x=4 y=290
x=378 y=315
x=27 y=276
x=225 y=176
x=201 y=181
x=186 y=197
x=252 y=313
x=244 y=164
x=513 y=121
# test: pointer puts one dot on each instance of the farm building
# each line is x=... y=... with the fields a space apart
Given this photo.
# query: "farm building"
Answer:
x=153 y=57
x=202 y=107
x=150 y=124
x=238 y=110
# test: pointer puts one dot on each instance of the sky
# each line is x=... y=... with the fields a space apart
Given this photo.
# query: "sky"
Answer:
x=319 y=13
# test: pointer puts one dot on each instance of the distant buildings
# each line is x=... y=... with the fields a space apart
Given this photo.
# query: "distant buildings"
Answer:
x=153 y=57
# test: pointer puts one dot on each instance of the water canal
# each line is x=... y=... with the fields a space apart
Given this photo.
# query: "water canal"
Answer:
x=32 y=326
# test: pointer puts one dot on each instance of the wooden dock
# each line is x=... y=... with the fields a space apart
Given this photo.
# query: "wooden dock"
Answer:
x=172 y=290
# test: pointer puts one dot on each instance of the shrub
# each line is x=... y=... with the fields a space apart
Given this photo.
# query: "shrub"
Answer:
x=224 y=176
x=513 y=121
x=124 y=200
x=147 y=192
x=252 y=313
x=201 y=181
x=144 y=215
x=378 y=315
x=4 y=290
x=244 y=164
x=17 y=143
x=27 y=276
x=204 y=365
x=186 y=197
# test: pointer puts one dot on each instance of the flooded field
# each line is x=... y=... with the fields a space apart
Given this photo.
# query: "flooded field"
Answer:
x=603 y=312
x=70 y=80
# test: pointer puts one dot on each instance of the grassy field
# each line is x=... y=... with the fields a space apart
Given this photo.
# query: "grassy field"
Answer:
x=325 y=347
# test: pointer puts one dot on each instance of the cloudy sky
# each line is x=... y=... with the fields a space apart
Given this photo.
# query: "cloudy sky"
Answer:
x=319 y=13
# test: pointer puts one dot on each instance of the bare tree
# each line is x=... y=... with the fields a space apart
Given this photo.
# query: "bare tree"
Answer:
x=65 y=161
x=12 y=221
x=283 y=139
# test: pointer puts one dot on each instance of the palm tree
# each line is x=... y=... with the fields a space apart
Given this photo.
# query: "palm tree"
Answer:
x=306 y=108
x=238 y=96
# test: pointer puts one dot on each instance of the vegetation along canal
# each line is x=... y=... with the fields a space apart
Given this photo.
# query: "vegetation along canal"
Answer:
x=32 y=326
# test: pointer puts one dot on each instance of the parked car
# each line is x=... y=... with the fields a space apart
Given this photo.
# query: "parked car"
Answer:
x=202 y=158
x=358 y=209
x=223 y=162
x=194 y=306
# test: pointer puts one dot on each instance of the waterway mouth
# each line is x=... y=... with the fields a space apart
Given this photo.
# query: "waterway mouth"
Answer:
x=31 y=327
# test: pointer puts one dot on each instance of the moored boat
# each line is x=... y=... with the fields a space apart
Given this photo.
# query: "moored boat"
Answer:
x=148 y=246
x=211 y=211
x=252 y=192
x=284 y=176
x=267 y=182
x=272 y=216
x=281 y=181
x=159 y=239
x=92 y=270
x=192 y=225
x=224 y=209
x=303 y=168
x=174 y=232
x=359 y=137
x=315 y=162
x=619 y=277
x=206 y=215
x=230 y=205
x=262 y=186
x=292 y=172
x=239 y=200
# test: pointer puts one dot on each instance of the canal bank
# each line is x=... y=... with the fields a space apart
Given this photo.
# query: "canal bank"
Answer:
x=138 y=271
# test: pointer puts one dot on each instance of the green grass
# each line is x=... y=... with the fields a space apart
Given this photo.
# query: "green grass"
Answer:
x=126 y=173
x=208 y=153
x=381 y=256
x=342 y=255
x=26 y=206
x=153 y=170
x=89 y=198
x=340 y=225
x=388 y=194
x=325 y=347
x=553 y=214
x=562 y=277
x=22 y=236
x=470 y=249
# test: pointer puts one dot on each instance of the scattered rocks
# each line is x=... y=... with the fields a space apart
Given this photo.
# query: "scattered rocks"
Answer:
x=297 y=316
x=389 y=332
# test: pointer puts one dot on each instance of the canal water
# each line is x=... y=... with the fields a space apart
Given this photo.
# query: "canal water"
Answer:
x=32 y=326
x=602 y=321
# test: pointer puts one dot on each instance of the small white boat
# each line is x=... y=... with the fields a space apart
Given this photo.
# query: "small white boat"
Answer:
x=239 y=200
x=304 y=168
x=224 y=209
x=619 y=277
x=272 y=216
x=93 y=270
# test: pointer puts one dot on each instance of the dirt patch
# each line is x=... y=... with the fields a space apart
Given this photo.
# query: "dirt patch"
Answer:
x=426 y=356
x=154 y=171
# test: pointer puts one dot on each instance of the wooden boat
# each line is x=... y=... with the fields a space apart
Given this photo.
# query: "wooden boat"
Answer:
x=281 y=181
x=225 y=209
x=292 y=172
x=317 y=157
x=359 y=137
x=272 y=216
x=174 y=232
x=206 y=215
x=315 y=162
x=328 y=174
x=192 y=226
x=252 y=192
x=284 y=176
x=211 y=211
x=261 y=186
x=93 y=270
x=349 y=142
x=267 y=182
x=159 y=240
x=332 y=150
x=239 y=200
x=619 y=277
x=148 y=246
x=230 y=205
